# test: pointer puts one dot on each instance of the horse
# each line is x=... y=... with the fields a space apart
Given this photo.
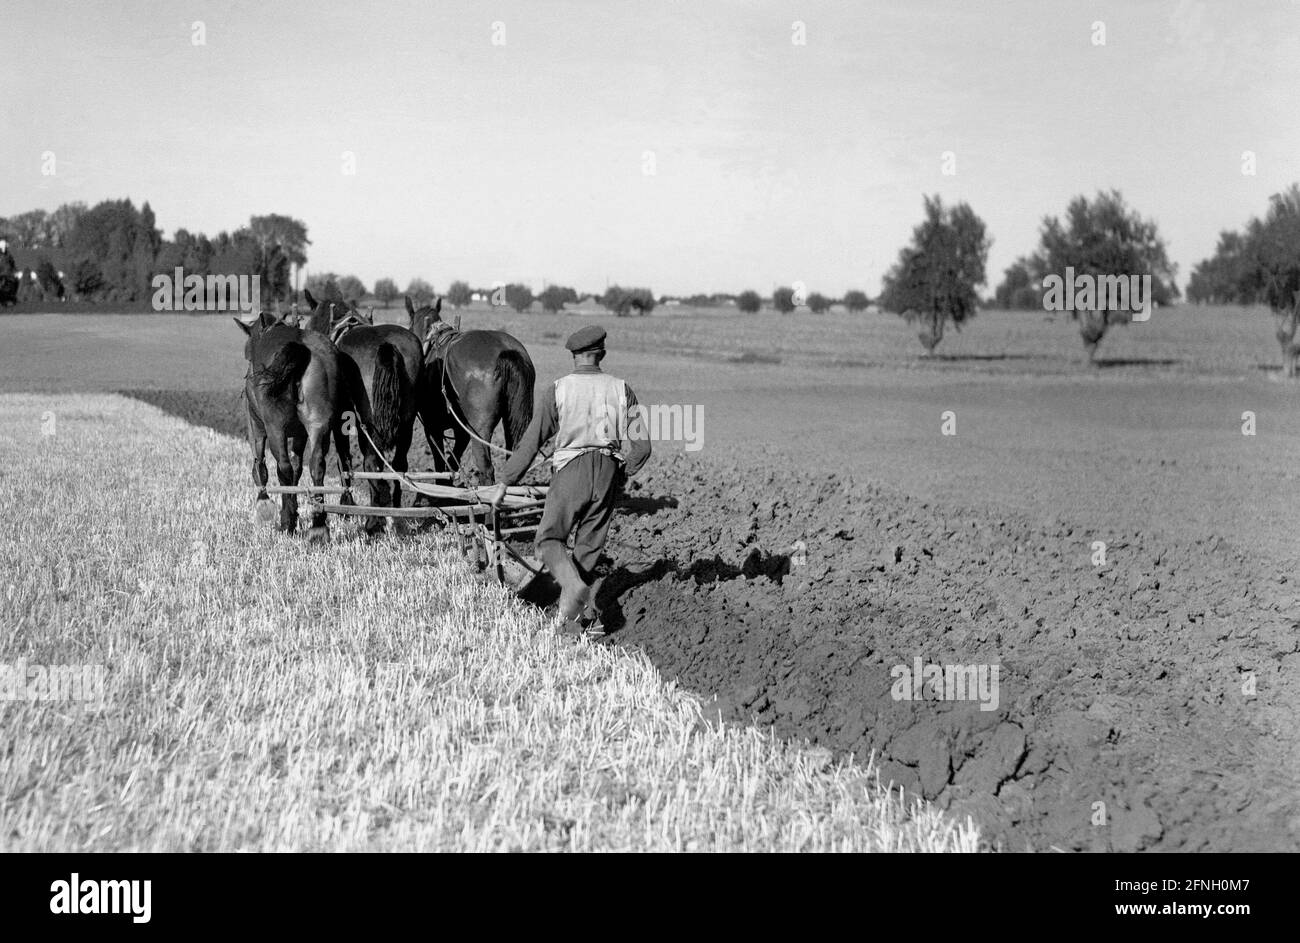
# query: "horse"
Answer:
x=472 y=381
x=294 y=391
x=381 y=366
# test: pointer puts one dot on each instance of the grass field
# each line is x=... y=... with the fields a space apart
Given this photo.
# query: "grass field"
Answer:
x=261 y=695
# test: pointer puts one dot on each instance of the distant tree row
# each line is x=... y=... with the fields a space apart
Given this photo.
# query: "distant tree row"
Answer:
x=621 y=301
x=113 y=250
x=616 y=299
x=1260 y=265
x=783 y=299
x=343 y=287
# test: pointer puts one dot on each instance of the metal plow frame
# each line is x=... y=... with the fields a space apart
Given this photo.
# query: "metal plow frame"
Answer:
x=478 y=525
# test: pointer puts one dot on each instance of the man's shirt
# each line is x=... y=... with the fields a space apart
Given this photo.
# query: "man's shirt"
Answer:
x=588 y=410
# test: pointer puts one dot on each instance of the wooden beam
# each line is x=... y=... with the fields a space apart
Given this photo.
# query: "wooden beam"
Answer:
x=366 y=510
x=411 y=476
x=305 y=489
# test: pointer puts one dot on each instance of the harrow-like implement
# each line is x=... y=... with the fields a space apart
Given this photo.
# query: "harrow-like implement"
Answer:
x=485 y=532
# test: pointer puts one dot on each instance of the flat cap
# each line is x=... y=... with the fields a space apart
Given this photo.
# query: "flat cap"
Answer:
x=591 y=337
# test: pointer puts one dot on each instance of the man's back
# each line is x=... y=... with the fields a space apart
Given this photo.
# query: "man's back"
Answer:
x=591 y=412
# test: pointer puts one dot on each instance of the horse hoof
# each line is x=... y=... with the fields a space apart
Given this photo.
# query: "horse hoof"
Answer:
x=318 y=535
x=264 y=511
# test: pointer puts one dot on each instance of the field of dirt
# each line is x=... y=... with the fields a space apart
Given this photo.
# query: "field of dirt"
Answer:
x=1120 y=684
x=827 y=533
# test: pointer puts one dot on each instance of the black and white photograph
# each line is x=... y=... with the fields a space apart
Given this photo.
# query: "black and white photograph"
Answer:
x=725 y=426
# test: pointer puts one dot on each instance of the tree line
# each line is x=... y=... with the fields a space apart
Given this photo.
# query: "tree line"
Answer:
x=1260 y=264
x=111 y=251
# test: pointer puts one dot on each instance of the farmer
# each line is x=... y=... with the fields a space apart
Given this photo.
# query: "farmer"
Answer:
x=599 y=443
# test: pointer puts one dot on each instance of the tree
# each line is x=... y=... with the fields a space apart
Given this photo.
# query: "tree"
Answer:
x=324 y=286
x=352 y=288
x=856 y=301
x=818 y=303
x=283 y=231
x=63 y=221
x=936 y=277
x=622 y=301
x=749 y=302
x=30 y=230
x=519 y=297
x=1222 y=278
x=459 y=294
x=421 y=292
x=123 y=242
x=86 y=278
x=48 y=277
x=1270 y=268
x=783 y=300
x=281 y=243
x=386 y=291
x=1104 y=238
x=1022 y=286
x=555 y=297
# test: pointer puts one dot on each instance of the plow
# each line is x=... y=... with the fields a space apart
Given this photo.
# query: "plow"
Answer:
x=484 y=532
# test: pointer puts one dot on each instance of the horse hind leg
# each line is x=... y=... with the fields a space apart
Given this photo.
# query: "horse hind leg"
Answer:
x=343 y=448
x=379 y=490
x=481 y=454
x=459 y=445
x=297 y=445
x=479 y=469
x=284 y=471
x=438 y=457
x=264 y=510
x=399 y=462
x=317 y=447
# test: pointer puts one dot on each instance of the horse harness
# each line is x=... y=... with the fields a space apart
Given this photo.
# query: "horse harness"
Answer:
x=349 y=321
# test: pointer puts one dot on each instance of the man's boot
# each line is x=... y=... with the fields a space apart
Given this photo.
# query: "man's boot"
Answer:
x=591 y=620
x=573 y=591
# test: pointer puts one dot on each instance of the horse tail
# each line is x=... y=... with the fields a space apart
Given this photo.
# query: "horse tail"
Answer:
x=388 y=388
x=285 y=370
x=515 y=377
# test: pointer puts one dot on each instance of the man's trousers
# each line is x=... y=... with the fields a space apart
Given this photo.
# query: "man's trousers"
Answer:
x=580 y=501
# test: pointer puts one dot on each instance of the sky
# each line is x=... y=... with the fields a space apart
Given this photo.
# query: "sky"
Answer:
x=685 y=145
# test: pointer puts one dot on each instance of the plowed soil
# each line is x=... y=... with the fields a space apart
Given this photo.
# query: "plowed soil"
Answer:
x=1125 y=684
